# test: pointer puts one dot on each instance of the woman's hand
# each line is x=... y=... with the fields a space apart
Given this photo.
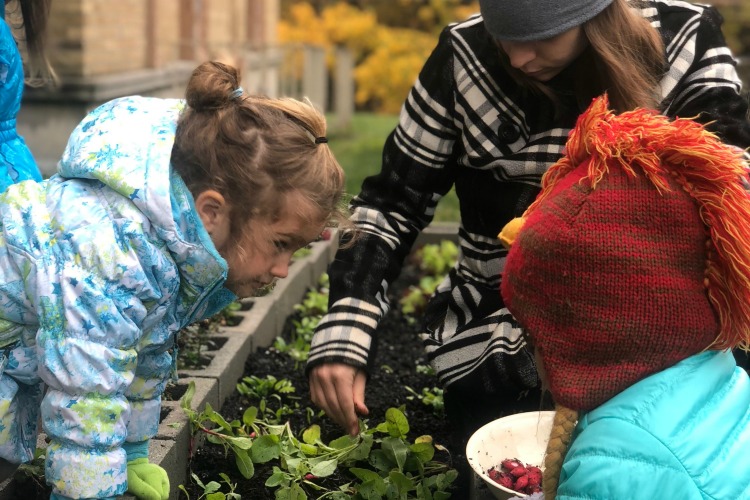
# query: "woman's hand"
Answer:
x=339 y=390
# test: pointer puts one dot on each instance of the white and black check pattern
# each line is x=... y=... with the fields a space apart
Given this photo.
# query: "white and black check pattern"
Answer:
x=466 y=125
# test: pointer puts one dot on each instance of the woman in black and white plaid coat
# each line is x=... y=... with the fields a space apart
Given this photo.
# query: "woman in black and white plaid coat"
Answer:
x=488 y=115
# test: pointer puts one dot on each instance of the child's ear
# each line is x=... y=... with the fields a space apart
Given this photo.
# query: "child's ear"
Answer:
x=213 y=210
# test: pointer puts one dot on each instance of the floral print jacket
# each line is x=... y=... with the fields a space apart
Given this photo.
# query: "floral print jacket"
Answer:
x=100 y=267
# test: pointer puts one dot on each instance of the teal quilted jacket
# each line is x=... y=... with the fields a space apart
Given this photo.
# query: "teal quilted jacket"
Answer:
x=682 y=434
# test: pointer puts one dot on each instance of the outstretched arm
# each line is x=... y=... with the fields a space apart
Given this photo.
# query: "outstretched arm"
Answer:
x=391 y=210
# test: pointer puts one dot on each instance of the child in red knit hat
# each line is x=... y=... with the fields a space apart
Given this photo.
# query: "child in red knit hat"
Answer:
x=631 y=274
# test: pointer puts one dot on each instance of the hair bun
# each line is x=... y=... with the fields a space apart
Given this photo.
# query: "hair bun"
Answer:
x=211 y=86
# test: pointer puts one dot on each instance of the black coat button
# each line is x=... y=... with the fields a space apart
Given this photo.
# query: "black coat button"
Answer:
x=507 y=132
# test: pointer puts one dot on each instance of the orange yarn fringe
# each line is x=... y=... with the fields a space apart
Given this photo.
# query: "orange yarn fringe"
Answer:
x=709 y=171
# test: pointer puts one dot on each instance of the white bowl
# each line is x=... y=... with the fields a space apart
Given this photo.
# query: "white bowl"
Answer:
x=523 y=436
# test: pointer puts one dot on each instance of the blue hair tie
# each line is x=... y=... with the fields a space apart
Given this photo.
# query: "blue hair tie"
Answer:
x=236 y=93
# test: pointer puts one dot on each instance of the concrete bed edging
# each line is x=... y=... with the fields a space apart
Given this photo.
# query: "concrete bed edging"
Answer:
x=260 y=324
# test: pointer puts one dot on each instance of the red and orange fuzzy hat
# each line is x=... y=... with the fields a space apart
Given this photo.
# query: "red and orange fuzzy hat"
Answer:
x=634 y=256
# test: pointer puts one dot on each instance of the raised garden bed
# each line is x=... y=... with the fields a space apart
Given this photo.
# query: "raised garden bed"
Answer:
x=402 y=379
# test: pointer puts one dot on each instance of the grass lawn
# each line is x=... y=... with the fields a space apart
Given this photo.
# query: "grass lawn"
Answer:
x=359 y=151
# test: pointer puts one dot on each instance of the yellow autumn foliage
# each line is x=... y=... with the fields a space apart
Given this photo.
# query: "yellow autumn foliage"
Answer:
x=387 y=59
x=384 y=78
x=353 y=28
x=433 y=15
x=303 y=26
x=736 y=26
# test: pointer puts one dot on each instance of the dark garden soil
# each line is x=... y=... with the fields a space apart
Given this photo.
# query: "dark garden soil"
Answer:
x=400 y=351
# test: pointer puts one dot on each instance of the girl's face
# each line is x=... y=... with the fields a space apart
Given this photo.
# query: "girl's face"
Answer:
x=542 y=60
x=265 y=252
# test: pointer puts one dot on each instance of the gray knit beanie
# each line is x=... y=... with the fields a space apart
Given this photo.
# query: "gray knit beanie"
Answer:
x=526 y=20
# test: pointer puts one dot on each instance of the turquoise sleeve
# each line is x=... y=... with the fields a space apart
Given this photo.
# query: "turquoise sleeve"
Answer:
x=136 y=450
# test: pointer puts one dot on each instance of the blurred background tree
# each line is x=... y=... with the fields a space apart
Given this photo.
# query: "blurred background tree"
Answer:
x=389 y=40
x=736 y=27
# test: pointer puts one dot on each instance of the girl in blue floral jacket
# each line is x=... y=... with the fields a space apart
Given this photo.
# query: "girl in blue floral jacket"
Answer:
x=162 y=213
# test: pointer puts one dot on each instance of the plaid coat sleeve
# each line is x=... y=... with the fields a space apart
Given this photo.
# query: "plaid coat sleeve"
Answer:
x=390 y=211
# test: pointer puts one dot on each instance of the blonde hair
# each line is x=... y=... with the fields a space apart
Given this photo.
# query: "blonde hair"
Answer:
x=563 y=425
x=254 y=149
x=628 y=54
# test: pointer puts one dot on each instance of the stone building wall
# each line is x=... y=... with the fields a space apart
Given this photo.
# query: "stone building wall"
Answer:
x=103 y=49
x=99 y=37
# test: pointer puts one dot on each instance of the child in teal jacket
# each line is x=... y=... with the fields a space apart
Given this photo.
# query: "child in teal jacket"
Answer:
x=162 y=213
x=631 y=274
x=16 y=161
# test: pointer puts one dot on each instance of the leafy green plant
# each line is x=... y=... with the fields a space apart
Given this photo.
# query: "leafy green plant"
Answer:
x=315 y=303
x=33 y=471
x=227 y=315
x=381 y=461
x=261 y=388
x=398 y=468
x=432 y=397
x=437 y=259
x=309 y=313
x=434 y=261
x=191 y=342
x=211 y=490
x=304 y=462
x=298 y=347
x=266 y=390
x=426 y=370
x=414 y=301
x=223 y=433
